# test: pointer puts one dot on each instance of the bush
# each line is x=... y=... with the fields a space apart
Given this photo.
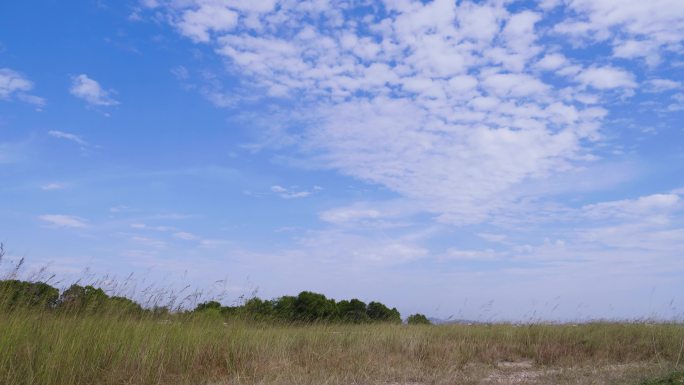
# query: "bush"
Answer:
x=418 y=319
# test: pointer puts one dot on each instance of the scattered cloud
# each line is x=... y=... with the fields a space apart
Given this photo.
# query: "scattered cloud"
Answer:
x=185 y=236
x=475 y=255
x=64 y=220
x=442 y=102
x=494 y=238
x=198 y=23
x=379 y=214
x=15 y=85
x=641 y=207
x=149 y=242
x=180 y=72
x=53 y=186
x=173 y=231
x=482 y=134
x=552 y=61
x=90 y=90
x=661 y=85
x=289 y=193
x=118 y=209
x=213 y=243
x=351 y=214
x=677 y=103
x=346 y=247
x=68 y=136
x=636 y=30
x=604 y=78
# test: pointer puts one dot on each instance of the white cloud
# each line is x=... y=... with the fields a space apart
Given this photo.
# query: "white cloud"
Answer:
x=660 y=85
x=635 y=28
x=213 y=243
x=379 y=214
x=90 y=90
x=11 y=82
x=149 y=242
x=447 y=104
x=53 y=186
x=149 y=3
x=14 y=84
x=197 y=23
x=476 y=255
x=118 y=209
x=345 y=247
x=634 y=49
x=604 y=78
x=677 y=102
x=552 y=61
x=64 y=220
x=514 y=85
x=346 y=215
x=68 y=136
x=495 y=238
x=289 y=193
x=180 y=72
x=641 y=207
x=185 y=236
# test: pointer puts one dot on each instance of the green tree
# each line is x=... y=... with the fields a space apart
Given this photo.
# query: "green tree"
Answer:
x=311 y=306
x=123 y=305
x=17 y=294
x=352 y=311
x=285 y=308
x=418 y=319
x=379 y=312
x=207 y=305
x=79 y=298
x=258 y=308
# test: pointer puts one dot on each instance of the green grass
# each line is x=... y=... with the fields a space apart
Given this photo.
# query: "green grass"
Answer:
x=46 y=348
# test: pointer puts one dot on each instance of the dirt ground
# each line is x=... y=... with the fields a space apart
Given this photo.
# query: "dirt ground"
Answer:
x=526 y=372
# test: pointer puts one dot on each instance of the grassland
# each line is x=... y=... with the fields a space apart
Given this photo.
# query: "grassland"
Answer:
x=47 y=348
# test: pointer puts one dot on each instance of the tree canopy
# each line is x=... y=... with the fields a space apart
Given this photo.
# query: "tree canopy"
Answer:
x=306 y=307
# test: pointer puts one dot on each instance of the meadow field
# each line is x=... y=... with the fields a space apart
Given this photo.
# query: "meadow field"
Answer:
x=49 y=348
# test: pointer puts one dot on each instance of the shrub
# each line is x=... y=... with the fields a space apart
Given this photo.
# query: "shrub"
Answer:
x=418 y=319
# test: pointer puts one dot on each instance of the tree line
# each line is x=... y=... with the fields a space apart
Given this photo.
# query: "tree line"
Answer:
x=306 y=307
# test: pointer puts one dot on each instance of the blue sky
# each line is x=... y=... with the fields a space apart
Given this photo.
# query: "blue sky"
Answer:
x=482 y=160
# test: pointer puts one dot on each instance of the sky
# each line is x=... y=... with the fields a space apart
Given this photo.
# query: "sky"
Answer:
x=484 y=160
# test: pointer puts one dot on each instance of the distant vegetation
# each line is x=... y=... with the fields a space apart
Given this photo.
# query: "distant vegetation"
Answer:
x=21 y=295
x=306 y=307
x=418 y=319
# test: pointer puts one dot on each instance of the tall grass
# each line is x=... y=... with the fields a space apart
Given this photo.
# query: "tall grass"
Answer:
x=48 y=348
